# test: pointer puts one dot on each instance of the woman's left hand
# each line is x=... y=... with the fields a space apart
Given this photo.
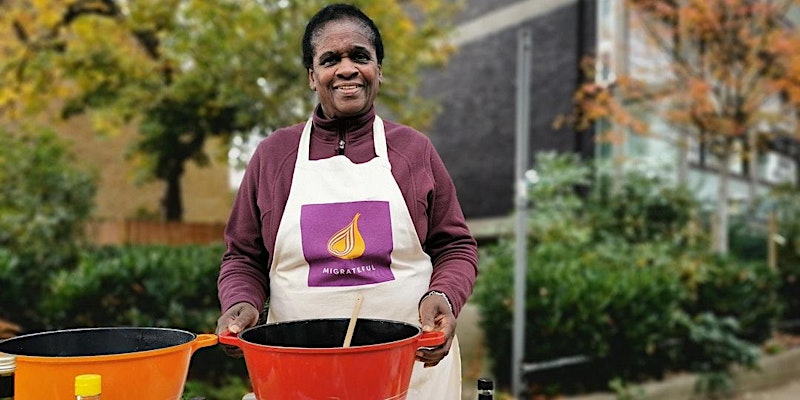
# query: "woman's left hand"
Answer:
x=435 y=315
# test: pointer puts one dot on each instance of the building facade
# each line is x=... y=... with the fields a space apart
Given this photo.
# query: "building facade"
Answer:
x=624 y=49
x=475 y=132
x=122 y=194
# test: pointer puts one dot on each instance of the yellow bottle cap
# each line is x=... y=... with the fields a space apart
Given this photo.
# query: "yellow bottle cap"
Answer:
x=87 y=385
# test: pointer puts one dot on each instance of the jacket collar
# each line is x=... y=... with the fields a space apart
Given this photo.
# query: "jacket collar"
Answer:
x=353 y=127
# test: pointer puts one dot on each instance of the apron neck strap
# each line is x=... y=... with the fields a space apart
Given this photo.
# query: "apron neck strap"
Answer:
x=378 y=135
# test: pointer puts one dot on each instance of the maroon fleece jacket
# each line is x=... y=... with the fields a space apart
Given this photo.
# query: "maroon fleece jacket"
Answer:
x=420 y=173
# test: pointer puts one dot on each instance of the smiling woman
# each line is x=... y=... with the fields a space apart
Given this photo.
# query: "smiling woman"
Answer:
x=347 y=204
x=345 y=71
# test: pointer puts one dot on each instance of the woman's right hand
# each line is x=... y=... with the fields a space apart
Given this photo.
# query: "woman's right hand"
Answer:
x=239 y=317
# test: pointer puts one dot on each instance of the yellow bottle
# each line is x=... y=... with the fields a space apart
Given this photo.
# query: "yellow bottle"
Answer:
x=87 y=387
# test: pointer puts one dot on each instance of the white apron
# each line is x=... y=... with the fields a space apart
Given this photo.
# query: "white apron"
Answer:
x=346 y=230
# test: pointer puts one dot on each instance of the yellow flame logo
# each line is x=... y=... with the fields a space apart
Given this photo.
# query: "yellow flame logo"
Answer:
x=347 y=243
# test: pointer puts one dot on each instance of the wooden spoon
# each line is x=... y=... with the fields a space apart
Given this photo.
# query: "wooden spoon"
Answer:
x=352 y=325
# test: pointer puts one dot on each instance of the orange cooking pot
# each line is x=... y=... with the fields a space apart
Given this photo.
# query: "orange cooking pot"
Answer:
x=306 y=359
x=135 y=363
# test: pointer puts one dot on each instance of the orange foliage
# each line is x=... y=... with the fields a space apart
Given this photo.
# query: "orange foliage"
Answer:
x=733 y=66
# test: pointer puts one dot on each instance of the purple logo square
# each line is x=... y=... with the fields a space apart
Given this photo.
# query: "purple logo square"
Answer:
x=347 y=244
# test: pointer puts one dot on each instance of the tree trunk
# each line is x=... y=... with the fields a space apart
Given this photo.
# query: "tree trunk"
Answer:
x=618 y=159
x=721 y=233
x=752 y=171
x=683 y=160
x=172 y=203
x=796 y=169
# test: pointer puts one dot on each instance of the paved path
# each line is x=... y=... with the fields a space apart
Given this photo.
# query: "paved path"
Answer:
x=789 y=391
x=473 y=360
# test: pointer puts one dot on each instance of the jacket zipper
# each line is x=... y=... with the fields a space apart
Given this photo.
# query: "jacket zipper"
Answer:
x=341 y=142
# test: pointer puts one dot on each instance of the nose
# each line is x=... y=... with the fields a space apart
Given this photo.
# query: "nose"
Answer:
x=347 y=69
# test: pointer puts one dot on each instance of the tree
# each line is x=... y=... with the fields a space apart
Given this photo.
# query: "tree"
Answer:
x=187 y=70
x=723 y=73
x=44 y=201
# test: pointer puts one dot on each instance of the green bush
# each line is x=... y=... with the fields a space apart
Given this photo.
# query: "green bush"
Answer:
x=711 y=345
x=44 y=202
x=581 y=302
x=621 y=275
x=745 y=291
x=149 y=285
x=233 y=387
x=138 y=285
x=787 y=211
x=747 y=238
x=749 y=241
x=644 y=209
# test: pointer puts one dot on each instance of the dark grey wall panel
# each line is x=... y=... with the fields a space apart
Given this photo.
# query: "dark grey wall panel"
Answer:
x=477 y=91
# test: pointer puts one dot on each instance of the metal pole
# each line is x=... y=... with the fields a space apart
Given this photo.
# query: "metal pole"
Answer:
x=521 y=200
x=772 y=246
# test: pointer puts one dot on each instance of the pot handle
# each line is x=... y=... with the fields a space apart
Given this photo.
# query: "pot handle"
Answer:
x=431 y=339
x=204 y=340
x=230 y=339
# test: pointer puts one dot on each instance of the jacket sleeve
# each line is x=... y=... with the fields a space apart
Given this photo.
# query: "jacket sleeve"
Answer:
x=453 y=249
x=243 y=273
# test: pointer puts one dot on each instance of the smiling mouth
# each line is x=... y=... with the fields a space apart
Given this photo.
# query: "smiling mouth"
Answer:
x=348 y=89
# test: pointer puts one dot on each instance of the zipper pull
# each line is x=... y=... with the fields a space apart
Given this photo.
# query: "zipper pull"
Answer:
x=341 y=147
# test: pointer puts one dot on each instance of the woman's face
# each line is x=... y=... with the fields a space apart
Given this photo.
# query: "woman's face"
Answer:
x=345 y=72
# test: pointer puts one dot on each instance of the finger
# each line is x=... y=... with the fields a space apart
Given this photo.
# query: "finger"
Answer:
x=234 y=328
x=432 y=358
x=427 y=319
x=241 y=317
x=428 y=355
x=232 y=351
x=222 y=328
x=224 y=325
x=429 y=309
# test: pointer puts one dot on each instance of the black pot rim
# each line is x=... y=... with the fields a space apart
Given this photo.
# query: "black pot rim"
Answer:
x=329 y=349
x=142 y=353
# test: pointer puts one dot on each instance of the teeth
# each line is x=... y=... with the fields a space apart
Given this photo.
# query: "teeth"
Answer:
x=348 y=87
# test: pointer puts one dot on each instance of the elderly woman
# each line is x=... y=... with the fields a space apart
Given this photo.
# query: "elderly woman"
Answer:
x=347 y=204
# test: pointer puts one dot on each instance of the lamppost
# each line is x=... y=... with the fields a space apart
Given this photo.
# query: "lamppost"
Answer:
x=524 y=51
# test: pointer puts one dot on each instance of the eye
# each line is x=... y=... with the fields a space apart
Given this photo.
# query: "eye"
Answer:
x=329 y=60
x=361 y=57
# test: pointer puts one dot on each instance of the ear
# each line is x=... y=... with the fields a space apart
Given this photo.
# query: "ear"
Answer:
x=312 y=83
x=380 y=73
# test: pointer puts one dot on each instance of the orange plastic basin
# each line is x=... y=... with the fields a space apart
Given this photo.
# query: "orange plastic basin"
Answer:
x=305 y=359
x=135 y=363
